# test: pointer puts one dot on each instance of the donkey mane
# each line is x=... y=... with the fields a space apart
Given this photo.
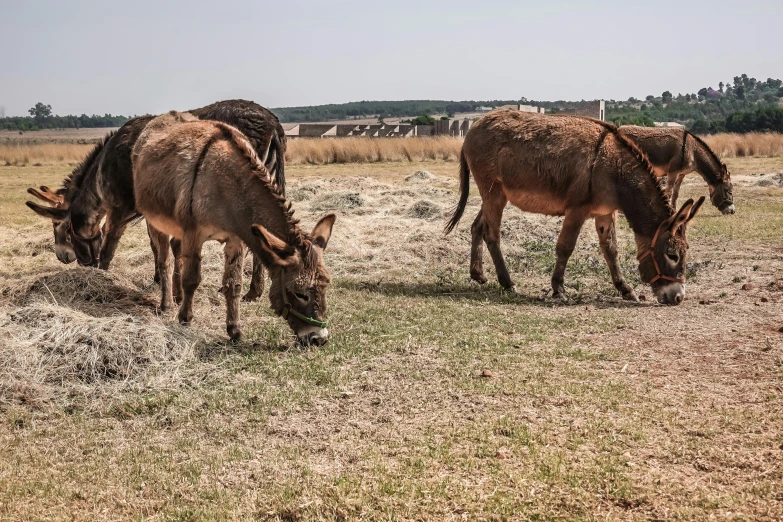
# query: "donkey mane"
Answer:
x=709 y=151
x=260 y=171
x=73 y=182
x=638 y=153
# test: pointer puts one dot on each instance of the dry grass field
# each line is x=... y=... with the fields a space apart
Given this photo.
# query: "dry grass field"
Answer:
x=47 y=150
x=436 y=399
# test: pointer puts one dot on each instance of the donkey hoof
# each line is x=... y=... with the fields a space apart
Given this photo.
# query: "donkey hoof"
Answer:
x=479 y=278
x=234 y=332
x=631 y=296
x=156 y=279
x=513 y=290
x=250 y=296
x=185 y=319
x=559 y=293
x=166 y=307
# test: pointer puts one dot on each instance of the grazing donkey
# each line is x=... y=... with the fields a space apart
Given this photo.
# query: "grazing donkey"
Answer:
x=201 y=180
x=674 y=152
x=578 y=168
x=102 y=186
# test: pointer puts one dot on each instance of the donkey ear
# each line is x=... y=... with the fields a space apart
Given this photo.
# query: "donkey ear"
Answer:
x=678 y=219
x=275 y=250
x=55 y=214
x=45 y=195
x=323 y=231
x=694 y=210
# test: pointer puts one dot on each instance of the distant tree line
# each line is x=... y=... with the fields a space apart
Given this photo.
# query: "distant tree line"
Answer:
x=744 y=105
x=706 y=110
x=41 y=118
x=29 y=123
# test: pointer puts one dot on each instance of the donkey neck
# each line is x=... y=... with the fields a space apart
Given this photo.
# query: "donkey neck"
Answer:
x=86 y=205
x=705 y=162
x=643 y=203
x=262 y=205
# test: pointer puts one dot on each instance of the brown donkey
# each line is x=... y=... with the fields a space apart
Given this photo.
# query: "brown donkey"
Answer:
x=578 y=168
x=675 y=152
x=102 y=186
x=201 y=180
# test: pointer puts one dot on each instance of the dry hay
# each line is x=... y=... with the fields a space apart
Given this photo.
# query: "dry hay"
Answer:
x=76 y=332
x=419 y=175
x=425 y=209
x=770 y=180
x=87 y=334
x=338 y=201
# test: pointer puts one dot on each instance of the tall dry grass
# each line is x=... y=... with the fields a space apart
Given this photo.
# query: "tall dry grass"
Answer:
x=371 y=150
x=730 y=145
x=14 y=154
x=375 y=150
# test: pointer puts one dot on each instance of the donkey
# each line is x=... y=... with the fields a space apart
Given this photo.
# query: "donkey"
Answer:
x=577 y=168
x=674 y=152
x=201 y=180
x=102 y=186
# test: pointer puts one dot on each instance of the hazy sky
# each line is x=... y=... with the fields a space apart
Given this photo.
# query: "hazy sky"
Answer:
x=139 y=57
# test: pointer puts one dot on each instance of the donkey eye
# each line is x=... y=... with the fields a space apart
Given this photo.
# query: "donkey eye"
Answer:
x=301 y=296
x=674 y=256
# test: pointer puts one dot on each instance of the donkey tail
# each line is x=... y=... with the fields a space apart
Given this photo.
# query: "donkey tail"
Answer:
x=279 y=152
x=464 y=191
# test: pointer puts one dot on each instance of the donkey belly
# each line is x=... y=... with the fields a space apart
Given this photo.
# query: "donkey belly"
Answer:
x=536 y=202
x=165 y=224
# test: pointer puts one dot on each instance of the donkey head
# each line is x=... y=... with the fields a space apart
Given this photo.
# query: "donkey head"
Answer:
x=722 y=194
x=86 y=237
x=299 y=280
x=662 y=265
x=57 y=211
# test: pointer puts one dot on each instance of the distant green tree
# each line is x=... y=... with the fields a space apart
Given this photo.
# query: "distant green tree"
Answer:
x=700 y=126
x=666 y=97
x=444 y=118
x=424 y=119
x=40 y=111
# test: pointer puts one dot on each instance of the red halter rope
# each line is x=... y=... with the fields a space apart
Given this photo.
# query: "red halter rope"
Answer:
x=659 y=275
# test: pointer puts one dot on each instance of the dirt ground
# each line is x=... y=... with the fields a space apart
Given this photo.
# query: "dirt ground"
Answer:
x=437 y=399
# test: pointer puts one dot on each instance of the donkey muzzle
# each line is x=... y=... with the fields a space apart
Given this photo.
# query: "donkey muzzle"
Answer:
x=313 y=336
x=671 y=294
x=64 y=254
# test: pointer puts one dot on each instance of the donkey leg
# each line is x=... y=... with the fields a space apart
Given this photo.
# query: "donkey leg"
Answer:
x=163 y=266
x=676 y=189
x=607 y=238
x=191 y=275
x=154 y=247
x=492 y=212
x=671 y=179
x=477 y=250
x=256 y=281
x=113 y=230
x=176 y=248
x=566 y=242
x=234 y=253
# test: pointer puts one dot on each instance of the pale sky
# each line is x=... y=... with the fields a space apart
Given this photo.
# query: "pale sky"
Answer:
x=137 y=57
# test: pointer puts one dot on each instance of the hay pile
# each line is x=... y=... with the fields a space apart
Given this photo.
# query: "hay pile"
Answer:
x=87 y=334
